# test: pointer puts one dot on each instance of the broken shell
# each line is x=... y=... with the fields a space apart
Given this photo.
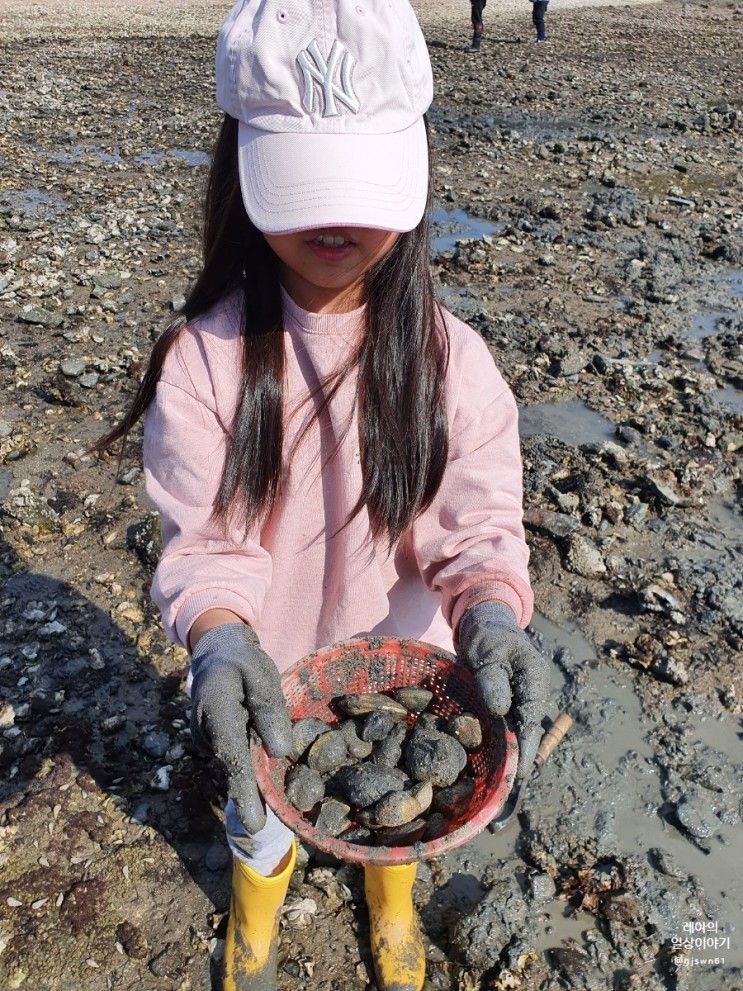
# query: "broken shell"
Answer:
x=304 y=787
x=304 y=734
x=389 y=750
x=364 y=784
x=467 y=729
x=402 y=807
x=328 y=752
x=405 y=835
x=366 y=702
x=333 y=817
x=435 y=757
x=453 y=800
x=414 y=699
x=358 y=748
x=377 y=726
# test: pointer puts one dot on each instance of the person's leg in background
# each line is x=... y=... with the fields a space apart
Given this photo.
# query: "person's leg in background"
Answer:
x=538 y=10
x=262 y=867
x=477 y=25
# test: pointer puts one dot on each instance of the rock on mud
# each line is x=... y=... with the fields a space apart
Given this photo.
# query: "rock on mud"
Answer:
x=479 y=937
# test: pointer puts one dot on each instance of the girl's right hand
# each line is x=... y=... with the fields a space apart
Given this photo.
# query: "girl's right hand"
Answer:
x=236 y=688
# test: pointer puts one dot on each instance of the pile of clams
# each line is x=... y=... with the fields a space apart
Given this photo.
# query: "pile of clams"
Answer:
x=389 y=773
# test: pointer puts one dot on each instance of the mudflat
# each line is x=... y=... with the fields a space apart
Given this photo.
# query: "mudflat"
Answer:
x=587 y=224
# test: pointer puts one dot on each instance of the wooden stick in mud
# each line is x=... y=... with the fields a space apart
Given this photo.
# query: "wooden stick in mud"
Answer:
x=552 y=738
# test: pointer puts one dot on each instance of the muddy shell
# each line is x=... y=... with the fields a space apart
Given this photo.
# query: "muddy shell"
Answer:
x=405 y=835
x=402 y=807
x=377 y=726
x=333 y=817
x=435 y=757
x=304 y=734
x=414 y=699
x=357 y=748
x=328 y=752
x=304 y=787
x=452 y=801
x=389 y=750
x=365 y=702
x=364 y=784
x=467 y=729
x=436 y=826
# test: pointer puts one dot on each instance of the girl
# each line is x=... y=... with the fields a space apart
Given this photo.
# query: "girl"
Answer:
x=331 y=453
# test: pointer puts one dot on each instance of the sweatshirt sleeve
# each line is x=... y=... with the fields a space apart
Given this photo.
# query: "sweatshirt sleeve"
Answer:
x=469 y=543
x=202 y=567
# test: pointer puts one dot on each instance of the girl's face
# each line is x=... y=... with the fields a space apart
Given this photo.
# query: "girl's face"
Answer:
x=323 y=269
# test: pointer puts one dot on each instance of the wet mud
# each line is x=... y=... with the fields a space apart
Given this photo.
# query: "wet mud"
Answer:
x=588 y=226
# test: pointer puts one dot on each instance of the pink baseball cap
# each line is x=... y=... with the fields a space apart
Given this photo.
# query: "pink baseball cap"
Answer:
x=330 y=96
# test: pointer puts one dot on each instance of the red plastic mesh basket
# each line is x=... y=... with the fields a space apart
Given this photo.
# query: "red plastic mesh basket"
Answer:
x=383 y=664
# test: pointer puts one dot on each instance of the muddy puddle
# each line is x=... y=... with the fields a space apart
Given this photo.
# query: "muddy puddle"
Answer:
x=31 y=201
x=608 y=782
x=571 y=422
x=83 y=152
x=451 y=226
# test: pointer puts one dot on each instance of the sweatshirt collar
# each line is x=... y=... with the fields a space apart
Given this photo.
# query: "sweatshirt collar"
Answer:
x=334 y=324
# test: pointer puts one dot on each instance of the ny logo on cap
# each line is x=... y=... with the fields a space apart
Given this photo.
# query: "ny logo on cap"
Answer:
x=323 y=73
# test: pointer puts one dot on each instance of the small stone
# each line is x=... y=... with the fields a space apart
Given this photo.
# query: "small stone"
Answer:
x=72 y=367
x=6 y=429
x=40 y=316
x=435 y=757
x=467 y=729
x=693 y=814
x=333 y=817
x=414 y=699
x=542 y=887
x=107 y=280
x=304 y=734
x=366 y=702
x=155 y=743
x=304 y=787
x=217 y=857
x=178 y=302
x=377 y=726
x=584 y=558
x=328 y=752
x=160 y=780
x=89 y=380
x=7 y=715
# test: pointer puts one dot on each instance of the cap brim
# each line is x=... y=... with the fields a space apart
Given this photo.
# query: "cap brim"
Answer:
x=295 y=181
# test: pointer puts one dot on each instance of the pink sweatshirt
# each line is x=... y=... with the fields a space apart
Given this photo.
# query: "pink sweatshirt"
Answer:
x=296 y=581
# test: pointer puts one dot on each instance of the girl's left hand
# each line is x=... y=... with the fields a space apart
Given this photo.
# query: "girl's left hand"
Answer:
x=510 y=673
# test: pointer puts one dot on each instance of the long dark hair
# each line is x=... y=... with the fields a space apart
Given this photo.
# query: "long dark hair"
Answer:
x=402 y=361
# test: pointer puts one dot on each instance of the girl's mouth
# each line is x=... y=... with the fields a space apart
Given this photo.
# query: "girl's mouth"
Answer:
x=331 y=247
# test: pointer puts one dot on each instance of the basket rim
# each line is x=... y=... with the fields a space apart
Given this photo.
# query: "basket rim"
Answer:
x=382 y=855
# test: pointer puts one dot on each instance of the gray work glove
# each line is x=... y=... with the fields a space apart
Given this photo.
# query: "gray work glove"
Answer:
x=236 y=688
x=512 y=676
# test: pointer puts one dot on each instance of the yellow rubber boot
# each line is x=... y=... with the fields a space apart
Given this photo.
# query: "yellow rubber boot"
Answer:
x=253 y=927
x=396 y=943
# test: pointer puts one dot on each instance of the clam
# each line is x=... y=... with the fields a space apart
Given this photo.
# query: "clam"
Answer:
x=333 y=817
x=414 y=699
x=304 y=734
x=328 y=752
x=363 y=784
x=467 y=729
x=365 y=702
x=304 y=787
x=435 y=757
x=402 y=807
